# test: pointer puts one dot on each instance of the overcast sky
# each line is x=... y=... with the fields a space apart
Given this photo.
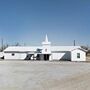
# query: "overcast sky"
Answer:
x=27 y=21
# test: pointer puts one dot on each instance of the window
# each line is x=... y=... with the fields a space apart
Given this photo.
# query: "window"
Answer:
x=13 y=54
x=78 y=55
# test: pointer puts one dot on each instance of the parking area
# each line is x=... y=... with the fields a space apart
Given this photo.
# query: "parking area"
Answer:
x=44 y=75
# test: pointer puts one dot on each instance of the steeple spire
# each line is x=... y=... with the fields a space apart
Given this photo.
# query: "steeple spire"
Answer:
x=46 y=38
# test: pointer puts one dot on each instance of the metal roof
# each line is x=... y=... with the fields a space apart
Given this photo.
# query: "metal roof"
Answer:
x=64 y=48
x=21 y=48
x=34 y=48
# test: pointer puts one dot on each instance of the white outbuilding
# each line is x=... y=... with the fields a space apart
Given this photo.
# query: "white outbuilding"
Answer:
x=45 y=52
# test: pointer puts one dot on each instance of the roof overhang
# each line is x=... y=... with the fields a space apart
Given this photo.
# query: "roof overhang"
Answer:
x=80 y=49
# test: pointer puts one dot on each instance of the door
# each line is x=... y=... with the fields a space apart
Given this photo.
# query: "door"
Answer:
x=46 y=57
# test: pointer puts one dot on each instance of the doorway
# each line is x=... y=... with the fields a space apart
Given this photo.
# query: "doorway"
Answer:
x=46 y=57
x=38 y=57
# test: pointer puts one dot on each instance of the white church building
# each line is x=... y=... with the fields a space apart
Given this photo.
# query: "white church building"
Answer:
x=45 y=52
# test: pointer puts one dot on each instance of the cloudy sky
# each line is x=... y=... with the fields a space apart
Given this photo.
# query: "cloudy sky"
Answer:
x=27 y=21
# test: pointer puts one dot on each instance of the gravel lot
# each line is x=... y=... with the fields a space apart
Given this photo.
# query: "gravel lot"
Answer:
x=44 y=75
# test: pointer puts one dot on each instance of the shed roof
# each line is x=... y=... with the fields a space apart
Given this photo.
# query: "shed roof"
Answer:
x=80 y=49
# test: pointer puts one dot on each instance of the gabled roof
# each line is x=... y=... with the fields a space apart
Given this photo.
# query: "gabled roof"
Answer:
x=80 y=49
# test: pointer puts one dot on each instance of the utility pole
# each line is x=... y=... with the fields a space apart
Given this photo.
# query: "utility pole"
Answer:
x=74 y=43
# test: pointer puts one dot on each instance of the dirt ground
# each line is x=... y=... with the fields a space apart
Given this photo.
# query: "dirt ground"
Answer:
x=44 y=75
x=88 y=58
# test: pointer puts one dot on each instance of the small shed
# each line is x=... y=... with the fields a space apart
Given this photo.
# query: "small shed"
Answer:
x=78 y=54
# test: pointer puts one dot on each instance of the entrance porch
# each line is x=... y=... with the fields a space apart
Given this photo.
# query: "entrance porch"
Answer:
x=38 y=56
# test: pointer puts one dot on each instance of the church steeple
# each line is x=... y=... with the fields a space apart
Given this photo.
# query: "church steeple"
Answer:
x=46 y=40
x=46 y=46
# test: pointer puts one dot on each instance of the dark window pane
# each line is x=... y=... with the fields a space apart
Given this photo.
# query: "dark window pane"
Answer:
x=78 y=55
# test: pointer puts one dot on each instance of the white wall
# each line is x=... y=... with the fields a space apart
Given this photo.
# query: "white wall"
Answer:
x=16 y=56
x=63 y=55
x=74 y=55
x=57 y=56
x=46 y=49
x=1 y=54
